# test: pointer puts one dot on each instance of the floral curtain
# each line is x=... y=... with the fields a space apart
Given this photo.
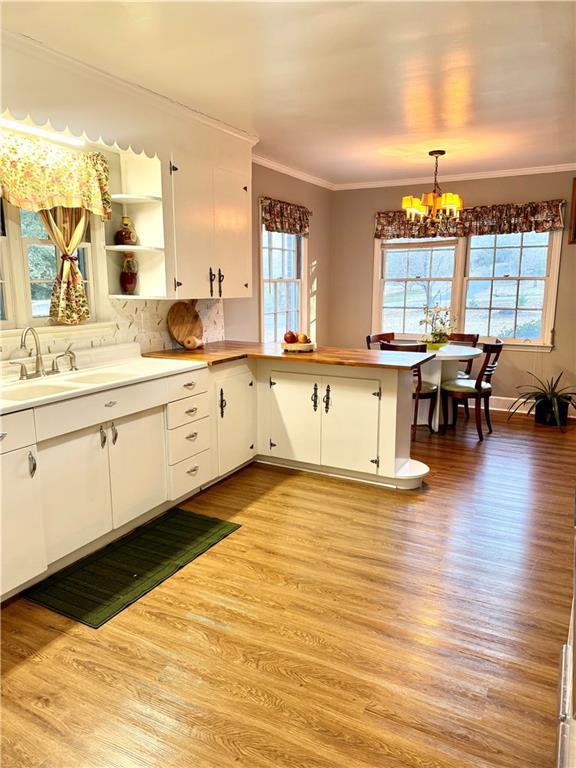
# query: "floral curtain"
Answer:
x=480 y=220
x=280 y=216
x=66 y=228
x=62 y=186
x=36 y=174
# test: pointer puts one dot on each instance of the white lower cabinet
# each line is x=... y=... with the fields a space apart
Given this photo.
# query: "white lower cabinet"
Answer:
x=137 y=460
x=23 y=542
x=295 y=414
x=236 y=419
x=75 y=489
x=350 y=411
x=326 y=420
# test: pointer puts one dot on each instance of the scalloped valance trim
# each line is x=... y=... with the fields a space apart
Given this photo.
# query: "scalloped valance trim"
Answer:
x=281 y=216
x=499 y=219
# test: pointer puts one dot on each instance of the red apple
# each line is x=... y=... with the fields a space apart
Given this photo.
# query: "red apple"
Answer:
x=290 y=337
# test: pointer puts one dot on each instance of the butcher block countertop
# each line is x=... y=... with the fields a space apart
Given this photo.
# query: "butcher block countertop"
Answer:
x=227 y=351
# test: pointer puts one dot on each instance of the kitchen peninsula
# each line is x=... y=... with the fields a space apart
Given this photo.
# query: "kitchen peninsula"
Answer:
x=336 y=411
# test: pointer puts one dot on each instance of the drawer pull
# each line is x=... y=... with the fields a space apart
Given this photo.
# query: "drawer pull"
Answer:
x=192 y=470
x=103 y=437
x=192 y=436
x=190 y=385
x=32 y=464
x=191 y=411
x=3 y=435
x=110 y=404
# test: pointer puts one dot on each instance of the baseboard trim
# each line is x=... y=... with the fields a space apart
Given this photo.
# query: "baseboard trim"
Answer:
x=504 y=403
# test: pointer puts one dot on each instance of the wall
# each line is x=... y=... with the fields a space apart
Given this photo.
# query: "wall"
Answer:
x=242 y=316
x=351 y=265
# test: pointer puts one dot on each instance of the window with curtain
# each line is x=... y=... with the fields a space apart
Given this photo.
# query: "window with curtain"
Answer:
x=414 y=274
x=506 y=284
x=32 y=262
x=282 y=285
x=501 y=285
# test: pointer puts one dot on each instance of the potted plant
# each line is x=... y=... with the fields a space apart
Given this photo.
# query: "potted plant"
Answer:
x=440 y=322
x=549 y=402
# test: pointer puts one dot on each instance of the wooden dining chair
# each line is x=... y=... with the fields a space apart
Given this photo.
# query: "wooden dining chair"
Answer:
x=465 y=340
x=421 y=390
x=478 y=389
x=376 y=338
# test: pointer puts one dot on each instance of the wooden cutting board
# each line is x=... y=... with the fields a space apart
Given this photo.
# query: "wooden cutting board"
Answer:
x=185 y=325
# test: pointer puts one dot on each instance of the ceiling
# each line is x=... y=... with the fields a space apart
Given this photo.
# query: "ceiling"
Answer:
x=348 y=92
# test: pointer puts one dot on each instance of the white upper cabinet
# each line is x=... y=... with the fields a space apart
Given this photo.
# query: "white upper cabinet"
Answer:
x=232 y=233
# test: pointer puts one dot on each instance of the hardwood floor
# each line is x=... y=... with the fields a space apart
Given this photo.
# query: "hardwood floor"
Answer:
x=342 y=626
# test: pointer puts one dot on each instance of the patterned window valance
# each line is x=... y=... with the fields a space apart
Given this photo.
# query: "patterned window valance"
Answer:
x=37 y=175
x=481 y=220
x=280 y=216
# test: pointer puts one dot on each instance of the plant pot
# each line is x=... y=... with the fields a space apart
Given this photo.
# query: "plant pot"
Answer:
x=544 y=413
x=434 y=345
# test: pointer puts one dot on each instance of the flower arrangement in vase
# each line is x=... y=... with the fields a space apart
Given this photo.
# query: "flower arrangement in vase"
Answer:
x=439 y=320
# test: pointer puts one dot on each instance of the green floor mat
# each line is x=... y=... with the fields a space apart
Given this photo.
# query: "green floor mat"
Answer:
x=99 y=586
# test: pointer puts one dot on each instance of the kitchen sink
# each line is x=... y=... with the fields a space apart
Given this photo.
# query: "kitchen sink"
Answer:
x=34 y=391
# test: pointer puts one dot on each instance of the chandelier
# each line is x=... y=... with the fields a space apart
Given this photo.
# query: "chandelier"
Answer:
x=435 y=205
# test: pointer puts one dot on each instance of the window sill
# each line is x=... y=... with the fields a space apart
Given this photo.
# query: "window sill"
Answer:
x=8 y=335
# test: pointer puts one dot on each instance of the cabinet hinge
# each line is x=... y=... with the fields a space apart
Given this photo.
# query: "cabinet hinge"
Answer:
x=252 y=447
x=173 y=168
x=177 y=284
x=251 y=384
x=272 y=383
x=376 y=461
x=272 y=445
x=378 y=393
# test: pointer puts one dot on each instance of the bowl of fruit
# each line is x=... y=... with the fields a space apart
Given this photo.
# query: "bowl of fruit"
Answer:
x=297 y=342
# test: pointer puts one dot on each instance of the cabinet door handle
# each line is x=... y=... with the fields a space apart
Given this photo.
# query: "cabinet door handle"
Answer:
x=193 y=470
x=110 y=404
x=326 y=399
x=190 y=385
x=32 y=464
x=3 y=435
x=114 y=434
x=220 y=281
x=103 y=436
x=191 y=411
x=314 y=397
x=212 y=276
x=222 y=403
x=192 y=436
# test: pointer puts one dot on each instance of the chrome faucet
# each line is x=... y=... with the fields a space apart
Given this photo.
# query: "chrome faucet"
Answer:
x=39 y=367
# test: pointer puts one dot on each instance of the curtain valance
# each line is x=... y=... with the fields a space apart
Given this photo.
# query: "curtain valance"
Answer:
x=280 y=216
x=37 y=175
x=480 y=220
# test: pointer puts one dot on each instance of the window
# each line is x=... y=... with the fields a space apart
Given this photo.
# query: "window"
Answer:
x=283 y=284
x=35 y=263
x=496 y=285
x=506 y=285
x=414 y=274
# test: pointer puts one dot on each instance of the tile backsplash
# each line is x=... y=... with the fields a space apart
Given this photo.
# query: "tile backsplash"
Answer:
x=142 y=321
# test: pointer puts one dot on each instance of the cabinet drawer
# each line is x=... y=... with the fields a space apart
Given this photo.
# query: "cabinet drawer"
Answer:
x=186 y=384
x=17 y=431
x=187 y=410
x=190 y=474
x=188 y=440
x=71 y=415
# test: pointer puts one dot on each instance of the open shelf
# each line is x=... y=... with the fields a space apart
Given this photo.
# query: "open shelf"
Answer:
x=134 y=248
x=126 y=199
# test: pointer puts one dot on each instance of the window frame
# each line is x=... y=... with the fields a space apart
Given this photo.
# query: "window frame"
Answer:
x=303 y=280
x=17 y=276
x=459 y=286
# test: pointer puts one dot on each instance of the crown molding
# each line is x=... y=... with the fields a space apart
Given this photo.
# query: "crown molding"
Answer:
x=564 y=167
x=294 y=172
x=32 y=47
x=333 y=187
